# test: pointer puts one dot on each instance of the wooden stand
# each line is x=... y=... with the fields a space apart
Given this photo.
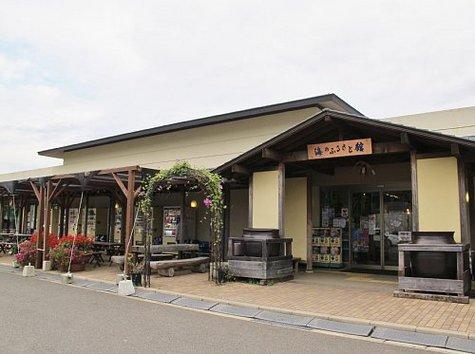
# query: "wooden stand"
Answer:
x=450 y=290
x=262 y=267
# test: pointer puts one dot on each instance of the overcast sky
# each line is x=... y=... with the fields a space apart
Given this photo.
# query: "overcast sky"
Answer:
x=72 y=71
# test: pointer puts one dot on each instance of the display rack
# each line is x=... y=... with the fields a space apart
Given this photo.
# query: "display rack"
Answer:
x=327 y=245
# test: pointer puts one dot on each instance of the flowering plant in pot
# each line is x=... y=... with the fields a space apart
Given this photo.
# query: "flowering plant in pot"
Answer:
x=135 y=268
x=27 y=249
x=26 y=253
x=80 y=254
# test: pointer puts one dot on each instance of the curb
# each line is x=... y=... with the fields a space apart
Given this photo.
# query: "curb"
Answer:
x=337 y=324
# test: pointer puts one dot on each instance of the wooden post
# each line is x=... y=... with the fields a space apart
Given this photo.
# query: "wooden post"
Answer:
x=40 y=196
x=86 y=211
x=183 y=217
x=250 y=203
x=309 y=225
x=130 y=194
x=281 y=200
x=414 y=190
x=110 y=219
x=47 y=217
x=464 y=212
x=226 y=220
x=129 y=214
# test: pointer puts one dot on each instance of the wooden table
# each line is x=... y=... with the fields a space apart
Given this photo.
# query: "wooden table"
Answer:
x=179 y=248
x=111 y=248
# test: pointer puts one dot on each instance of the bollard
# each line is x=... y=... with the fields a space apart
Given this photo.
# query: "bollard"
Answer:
x=67 y=278
x=46 y=266
x=29 y=271
x=126 y=288
x=119 y=277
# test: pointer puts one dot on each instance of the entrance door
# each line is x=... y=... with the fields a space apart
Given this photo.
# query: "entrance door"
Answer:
x=397 y=223
x=366 y=229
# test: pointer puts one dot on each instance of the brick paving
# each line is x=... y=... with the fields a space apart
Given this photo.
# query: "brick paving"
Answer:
x=353 y=296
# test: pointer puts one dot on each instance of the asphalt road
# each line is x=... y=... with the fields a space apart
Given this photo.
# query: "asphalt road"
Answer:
x=41 y=317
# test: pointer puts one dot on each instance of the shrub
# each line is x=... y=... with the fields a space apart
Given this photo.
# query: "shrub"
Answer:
x=61 y=253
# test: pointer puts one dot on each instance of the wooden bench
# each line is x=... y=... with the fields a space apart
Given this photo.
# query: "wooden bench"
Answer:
x=169 y=267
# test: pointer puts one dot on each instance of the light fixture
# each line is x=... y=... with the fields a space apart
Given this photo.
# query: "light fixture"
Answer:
x=117 y=205
x=408 y=211
x=467 y=197
x=193 y=204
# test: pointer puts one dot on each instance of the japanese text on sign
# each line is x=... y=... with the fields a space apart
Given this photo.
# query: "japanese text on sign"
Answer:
x=340 y=149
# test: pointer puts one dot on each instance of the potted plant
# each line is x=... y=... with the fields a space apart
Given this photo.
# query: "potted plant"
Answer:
x=64 y=251
x=26 y=253
x=135 y=268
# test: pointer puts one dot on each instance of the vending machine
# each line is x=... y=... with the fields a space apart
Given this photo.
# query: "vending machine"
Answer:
x=171 y=225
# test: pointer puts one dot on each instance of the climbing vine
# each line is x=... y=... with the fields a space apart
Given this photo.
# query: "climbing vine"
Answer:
x=193 y=179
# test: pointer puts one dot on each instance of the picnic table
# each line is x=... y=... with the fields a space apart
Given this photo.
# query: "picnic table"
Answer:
x=110 y=248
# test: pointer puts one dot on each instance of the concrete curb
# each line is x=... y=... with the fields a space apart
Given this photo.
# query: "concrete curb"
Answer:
x=338 y=324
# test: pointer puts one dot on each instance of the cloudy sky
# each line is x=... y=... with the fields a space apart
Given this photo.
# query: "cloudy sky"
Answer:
x=76 y=70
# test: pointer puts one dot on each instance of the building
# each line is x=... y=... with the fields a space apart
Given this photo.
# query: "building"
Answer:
x=345 y=187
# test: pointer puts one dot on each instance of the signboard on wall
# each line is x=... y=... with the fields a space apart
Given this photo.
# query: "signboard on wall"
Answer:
x=340 y=148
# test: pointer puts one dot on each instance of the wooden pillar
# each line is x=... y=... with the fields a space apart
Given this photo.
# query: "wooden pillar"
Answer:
x=250 y=204
x=309 y=225
x=61 y=215
x=110 y=219
x=129 y=214
x=281 y=191
x=85 y=216
x=47 y=217
x=226 y=220
x=183 y=217
x=40 y=195
x=415 y=198
x=35 y=217
x=464 y=212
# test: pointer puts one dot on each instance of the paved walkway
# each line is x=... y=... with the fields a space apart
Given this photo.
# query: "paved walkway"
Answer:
x=339 y=295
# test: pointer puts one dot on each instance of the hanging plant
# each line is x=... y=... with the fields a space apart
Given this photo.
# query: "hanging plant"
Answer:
x=193 y=179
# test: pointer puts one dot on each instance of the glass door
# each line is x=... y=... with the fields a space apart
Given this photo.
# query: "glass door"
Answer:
x=366 y=229
x=397 y=223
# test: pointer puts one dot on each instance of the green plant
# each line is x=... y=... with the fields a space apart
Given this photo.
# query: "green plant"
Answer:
x=194 y=179
x=134 y=267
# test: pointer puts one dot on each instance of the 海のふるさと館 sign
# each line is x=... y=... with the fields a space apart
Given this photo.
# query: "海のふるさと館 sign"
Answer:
x=340 y=149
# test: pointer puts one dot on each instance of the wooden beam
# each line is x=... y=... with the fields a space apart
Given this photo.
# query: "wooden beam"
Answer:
x=405 y=140
x=271 y=154
x=137 y=192
x=120 y=184
x=415 y=193
x=240 y=170
x=119 y=169
x=35 y=190
x=455 y=150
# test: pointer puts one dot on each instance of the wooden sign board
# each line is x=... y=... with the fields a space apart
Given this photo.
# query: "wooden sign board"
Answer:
x=340 y=149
